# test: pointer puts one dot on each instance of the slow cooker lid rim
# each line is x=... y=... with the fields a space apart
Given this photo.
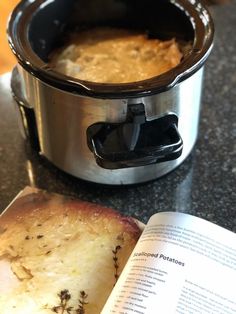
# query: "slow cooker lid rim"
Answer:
x=159 y=83
x=98 y=90
x=120 y=92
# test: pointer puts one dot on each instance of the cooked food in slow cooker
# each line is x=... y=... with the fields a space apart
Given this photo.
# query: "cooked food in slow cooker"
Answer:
x=61 y=256
x=107 y=55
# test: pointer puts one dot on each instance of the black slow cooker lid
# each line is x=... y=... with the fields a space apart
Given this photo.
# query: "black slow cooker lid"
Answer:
x=37 y=27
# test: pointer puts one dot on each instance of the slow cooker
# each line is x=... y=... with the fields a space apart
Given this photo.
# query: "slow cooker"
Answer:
x=110 y=133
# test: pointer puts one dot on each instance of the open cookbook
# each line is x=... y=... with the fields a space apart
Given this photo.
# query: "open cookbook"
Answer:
x=66 y=256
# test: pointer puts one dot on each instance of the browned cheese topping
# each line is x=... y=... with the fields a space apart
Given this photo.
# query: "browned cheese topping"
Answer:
x=107 y=55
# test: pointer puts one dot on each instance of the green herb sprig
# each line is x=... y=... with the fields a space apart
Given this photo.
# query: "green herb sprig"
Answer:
x=64 y=308
x=115 y=259
x=82 y=303
x=64 y=296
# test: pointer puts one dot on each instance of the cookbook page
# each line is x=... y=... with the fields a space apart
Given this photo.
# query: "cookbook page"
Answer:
x=181 y=264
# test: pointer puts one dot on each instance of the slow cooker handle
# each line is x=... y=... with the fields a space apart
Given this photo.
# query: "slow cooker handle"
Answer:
x=117 y=146
x=27 y=118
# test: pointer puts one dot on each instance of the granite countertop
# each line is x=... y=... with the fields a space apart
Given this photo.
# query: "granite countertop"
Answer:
x=204 y=185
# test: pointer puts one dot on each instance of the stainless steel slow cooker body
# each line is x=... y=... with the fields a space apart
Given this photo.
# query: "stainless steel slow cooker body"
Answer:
x=111 y=133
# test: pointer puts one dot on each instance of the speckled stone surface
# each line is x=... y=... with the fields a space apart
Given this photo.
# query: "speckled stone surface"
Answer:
x=204 y=185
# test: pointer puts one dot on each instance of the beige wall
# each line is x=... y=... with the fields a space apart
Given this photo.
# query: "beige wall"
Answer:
x=7 y=59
